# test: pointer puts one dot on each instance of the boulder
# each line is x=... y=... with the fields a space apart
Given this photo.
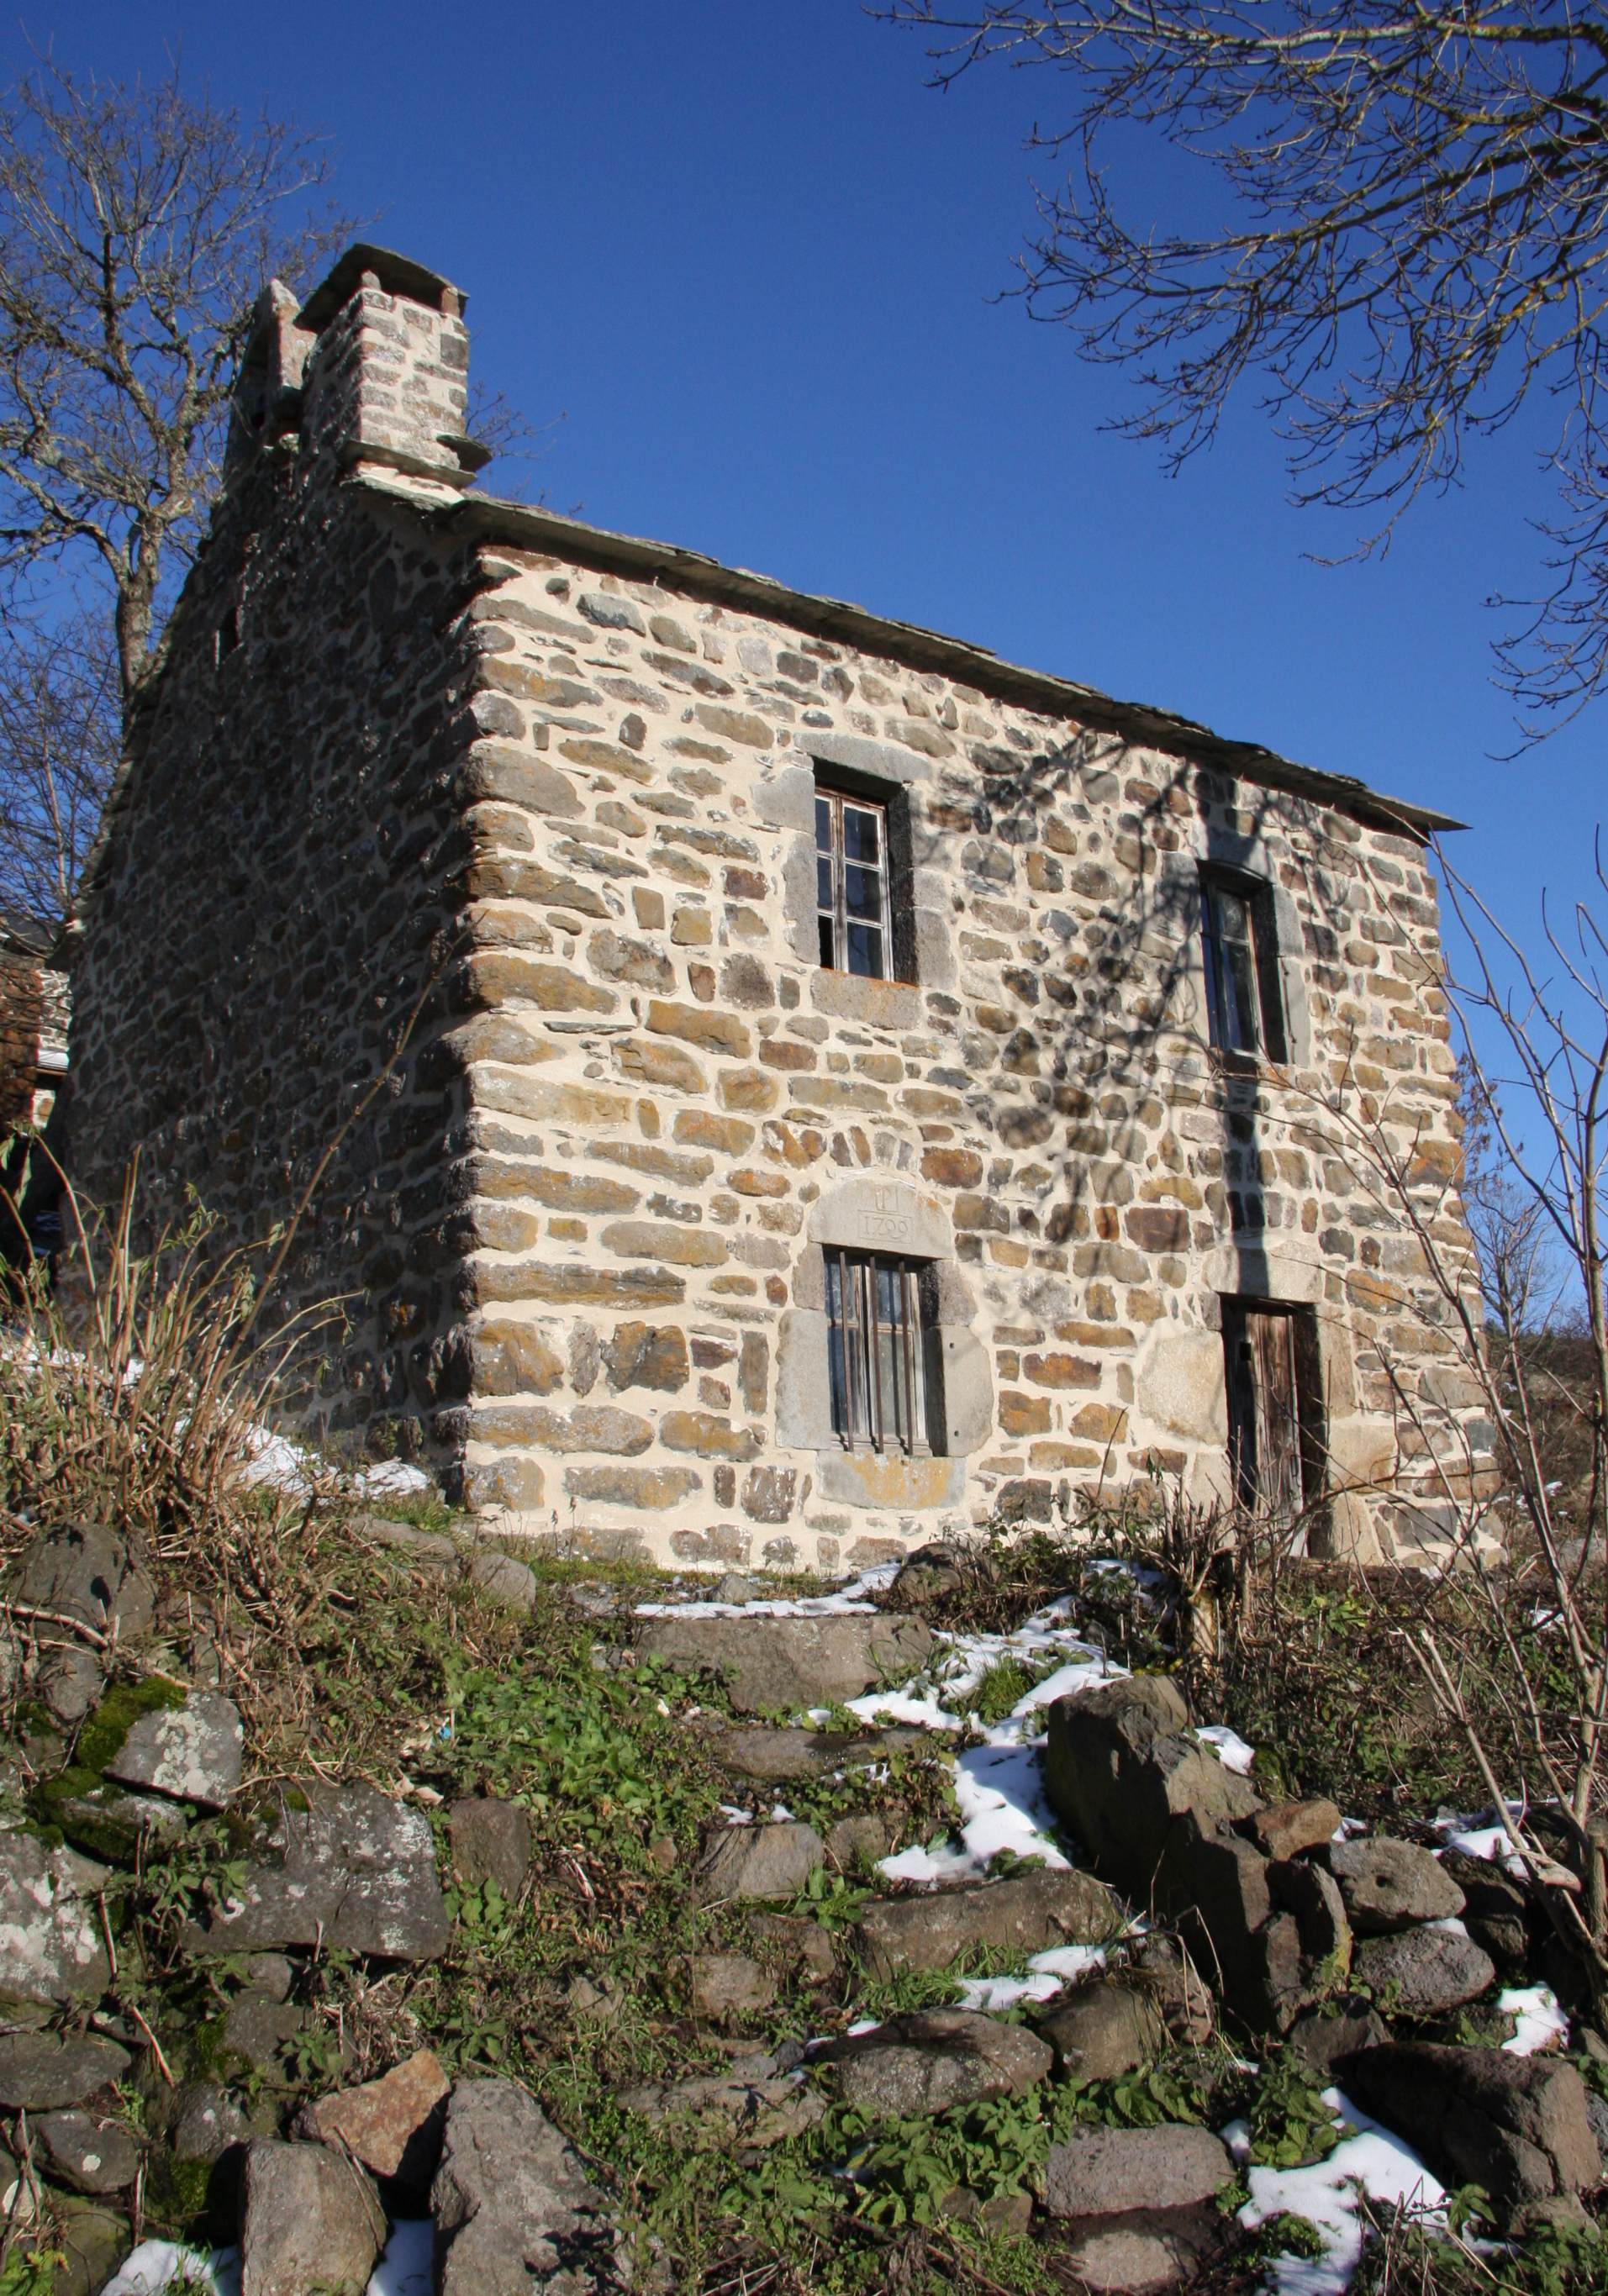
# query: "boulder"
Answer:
x=930 y=1572
x=349 y=1869
x=756 y=1862
x=209 y=2120
x=859 y=1841
x=770 y=1663
x=754 y=2110
x=41 y=2072
x=1143 y=2253
x=1518 y=2125
x=514 y=2207
x=1122 y=1764
x=1298 y=1886
x=1027 y=1914
x=780 y=1757
x=258 y=2031
x=1290 y=1828
x=392 y=2125
x=1104 y=2172
x=931 y=2059
x=797 y=1942
x=83 y=1571
x=1323 y=2037
x=52 y=1945
x=310 y=2220
x=85 y=2155
x=490 y=1842
x=92 y=2241
x=1422 y=1972
x=105 y=1822
x=729 y=1985
x=505 y=1580
x=1102 y=2029
x=1389 y=1885
x=193 y=1752
x=1163 y=1967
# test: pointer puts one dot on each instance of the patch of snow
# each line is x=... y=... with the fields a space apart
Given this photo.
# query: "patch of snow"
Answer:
x=1485 y=1836
x=732 y=1816
x=393 y=1478
x=406 y=2269
x=1232 y=1750
x=999 y=1792
x=1450 y=1923
x=1048 y=1974
x=1373 y=2161
x=1540 y=2021
x=926 y=1713
x=944 y=1863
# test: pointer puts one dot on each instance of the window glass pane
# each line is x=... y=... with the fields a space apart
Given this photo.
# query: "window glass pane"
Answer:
x=863 y=893
x=829 y=943
x=862 y=833
x=824 y=823
x=865 y=952
x=823 y=881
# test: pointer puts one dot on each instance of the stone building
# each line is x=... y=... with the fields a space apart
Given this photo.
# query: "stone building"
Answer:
x=783 y=1084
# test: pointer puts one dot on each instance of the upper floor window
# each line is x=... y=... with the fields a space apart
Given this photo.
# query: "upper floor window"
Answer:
x=880 y=1316
x=854 y=884
x=1242 y=1006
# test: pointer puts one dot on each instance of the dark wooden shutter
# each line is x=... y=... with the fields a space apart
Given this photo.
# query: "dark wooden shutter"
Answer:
x=1261 y=1355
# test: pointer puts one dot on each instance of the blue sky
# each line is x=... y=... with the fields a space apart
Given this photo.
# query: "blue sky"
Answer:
x=752 y=259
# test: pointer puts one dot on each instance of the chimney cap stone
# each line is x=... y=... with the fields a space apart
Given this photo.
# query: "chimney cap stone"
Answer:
x=398 y=275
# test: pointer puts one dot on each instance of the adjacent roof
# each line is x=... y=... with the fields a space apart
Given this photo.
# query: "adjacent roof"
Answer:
x=25 y=936
x=483 y=518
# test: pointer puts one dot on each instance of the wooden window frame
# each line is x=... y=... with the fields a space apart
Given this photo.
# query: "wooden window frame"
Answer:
x=833 y=919
x=892 y=1415
x=1255 y=894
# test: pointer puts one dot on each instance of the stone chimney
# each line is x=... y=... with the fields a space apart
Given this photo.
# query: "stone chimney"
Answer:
x=373 y=367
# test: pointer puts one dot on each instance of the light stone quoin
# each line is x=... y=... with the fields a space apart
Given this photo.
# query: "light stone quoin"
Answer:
x=536 y=804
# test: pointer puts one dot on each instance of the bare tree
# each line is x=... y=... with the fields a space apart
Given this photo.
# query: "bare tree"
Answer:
x=59 y=743
x=1408 y=242
x=137 y=226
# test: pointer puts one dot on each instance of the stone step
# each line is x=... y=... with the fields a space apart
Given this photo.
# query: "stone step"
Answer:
x=779 y=1757
x=1026 y=1913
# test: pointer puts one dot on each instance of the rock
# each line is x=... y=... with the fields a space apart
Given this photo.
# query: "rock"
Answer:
x=193 y=1752
x=754 y=2110
x=40 y=2072
x=392 y=2125
x=1214 y=1884
x=1144 y=2253
x=1313 y=1896
x=106 y=1823
x=1122 y=1765
x=428 y=1550
x=512 y=2206
x=70 y=1684
x=490 y=1842
x=1323 y=2037
x=929 y=1573
x=1102 y=2172
x=1596 y=2113
x=270 y=1974
x=1290 y=1827
x=1027 y=1914
x=351 y=1870
x=85 y=2155
x=798 y=1941
x=1518 y=2125
x=505 y=1580
x=770 y=1663
x=858 y=1841
x=256 y=2033
x=85 y=1571
x=756 y=1861
x=779 y=1756
x=728 y=1985
x=1181 y=1994
x=93 y=2242
x=310 y=2220
x=1422 y=1972
x=1102 y=2029
x=1388 y=1885
x=931 y=2059
x=1495 y=1909
x=207 y=2122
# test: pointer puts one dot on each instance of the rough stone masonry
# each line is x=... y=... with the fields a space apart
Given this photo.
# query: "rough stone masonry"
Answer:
x=484 y=862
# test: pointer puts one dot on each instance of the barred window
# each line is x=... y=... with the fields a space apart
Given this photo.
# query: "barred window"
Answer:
x=1242 y=970
x=882 y=1314
x=854 y=902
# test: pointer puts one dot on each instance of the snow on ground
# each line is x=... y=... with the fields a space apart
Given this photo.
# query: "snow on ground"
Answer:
x=853 y=1594
x=1047 y=1974
x=1232 y=1750
x=285 y=1466
x=1538 y=2019
x=406 y=2269
x=1326 y=2194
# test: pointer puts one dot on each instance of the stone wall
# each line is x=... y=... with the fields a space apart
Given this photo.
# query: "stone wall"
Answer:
x=543 y=800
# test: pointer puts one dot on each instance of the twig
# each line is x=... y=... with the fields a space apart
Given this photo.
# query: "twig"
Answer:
x=162 y=2066
x=57 y=1619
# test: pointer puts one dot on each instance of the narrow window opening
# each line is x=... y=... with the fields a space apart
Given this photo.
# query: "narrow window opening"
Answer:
x=854 y=884
x=881 y=1338
x=1276 y=1433
x=1243 y=1011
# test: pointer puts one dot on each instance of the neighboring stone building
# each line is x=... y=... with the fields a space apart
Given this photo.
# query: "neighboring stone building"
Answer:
x=791 y=1084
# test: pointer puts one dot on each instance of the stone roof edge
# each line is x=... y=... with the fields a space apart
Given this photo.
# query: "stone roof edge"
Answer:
x=486 y=518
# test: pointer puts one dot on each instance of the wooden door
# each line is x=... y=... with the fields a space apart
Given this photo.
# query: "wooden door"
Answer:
x=1264 y=1363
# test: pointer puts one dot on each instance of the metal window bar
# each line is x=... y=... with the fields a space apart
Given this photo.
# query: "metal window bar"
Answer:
x=854 y=905
x=874 y=1318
